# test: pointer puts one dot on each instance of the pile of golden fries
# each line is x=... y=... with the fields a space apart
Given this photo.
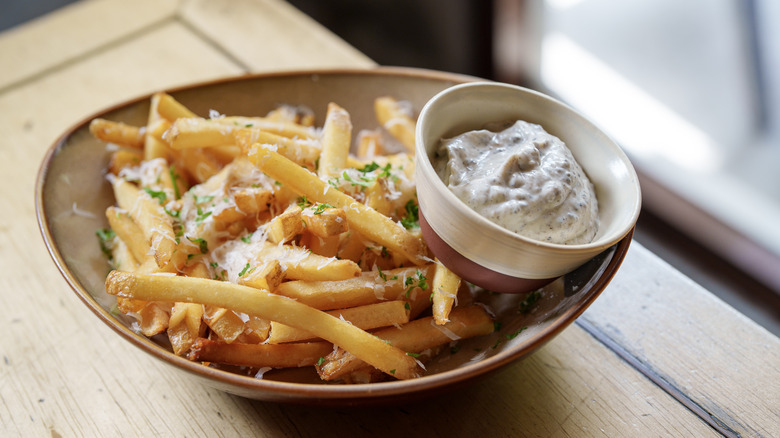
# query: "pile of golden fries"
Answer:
x=265 y=242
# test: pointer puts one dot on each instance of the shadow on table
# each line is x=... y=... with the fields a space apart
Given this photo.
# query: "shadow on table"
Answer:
x=477 y=409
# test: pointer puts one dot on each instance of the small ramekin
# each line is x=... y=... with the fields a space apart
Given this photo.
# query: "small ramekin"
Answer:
x=484 y=253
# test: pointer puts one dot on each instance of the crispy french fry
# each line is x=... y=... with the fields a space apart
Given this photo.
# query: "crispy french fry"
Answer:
x=414 y=337
x=445 y=290
x=118 y=133
x=369 y=145
x=285 y=226
x=292 y=114
x=336 y=141
x=128 y=232
x=122 y=258
x=150 y=217
x=195 y=132
x=248 y=300
x=123 y=159
x=226 y=324
x=184 y=326
x=284 y=129
x=366 y=317
x=368 y=288
x=171 y=109
x=153 y=317
x=324 y=221
x=300 y=264
x=268 y=277
x=323 y=246
x=260 y=356
x=154 y=147
x=304 y=152
x=367 y=221
x=396 y=120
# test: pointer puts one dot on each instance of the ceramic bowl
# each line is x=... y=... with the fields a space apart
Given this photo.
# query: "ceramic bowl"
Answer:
x=483 y=252
x=72 y=195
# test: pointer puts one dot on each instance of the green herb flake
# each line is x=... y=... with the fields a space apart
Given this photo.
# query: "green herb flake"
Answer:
x=414 y=355
x=159 y=195
x=202 y=244
x=412 y=218
x=322 y=207
x=246 y=270
x=106 y=238
x=320 y=361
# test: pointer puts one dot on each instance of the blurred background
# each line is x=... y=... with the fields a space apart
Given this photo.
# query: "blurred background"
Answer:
x=690 y=89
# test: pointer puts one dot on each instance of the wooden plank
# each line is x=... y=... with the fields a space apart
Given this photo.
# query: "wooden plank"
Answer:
x=74 y=31
x=269 y=35
x=717 y=359
x=571 y=387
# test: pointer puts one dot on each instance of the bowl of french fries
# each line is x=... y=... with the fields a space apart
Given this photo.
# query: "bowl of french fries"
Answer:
x=262 y=234
x=488 y=254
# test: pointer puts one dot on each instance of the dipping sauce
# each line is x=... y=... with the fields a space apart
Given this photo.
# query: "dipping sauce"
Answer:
x=523 y=179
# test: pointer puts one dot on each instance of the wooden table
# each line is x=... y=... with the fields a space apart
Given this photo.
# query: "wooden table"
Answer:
x=656 y=355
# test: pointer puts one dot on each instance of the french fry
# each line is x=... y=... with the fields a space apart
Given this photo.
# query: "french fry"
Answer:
x=445 y=290
x=196 y=132
x=395 y=120
x=184 y=326
x=267 y=277
x=154 y=147
x=367 y=221
x=128 y=232
x=304 y=152
x=414 y=337
x=363 y=345
x=292 y=114
x=300 y=264
x=285 y=226
x=369 y=145
x=150 y=217
x=369 y=287
x=123 y=159
x=153 y=317
x=324 y=221
x=171 y=109
x=260 y=355
x=336 y=141
x=118 y=133
x=122 y=258
x=279 y=128
x=366 y=317
x=225 y=323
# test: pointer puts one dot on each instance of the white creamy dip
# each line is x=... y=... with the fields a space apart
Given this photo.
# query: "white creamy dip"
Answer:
x=523 y=179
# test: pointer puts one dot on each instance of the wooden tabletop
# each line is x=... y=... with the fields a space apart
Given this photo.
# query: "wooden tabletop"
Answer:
x=656 y=355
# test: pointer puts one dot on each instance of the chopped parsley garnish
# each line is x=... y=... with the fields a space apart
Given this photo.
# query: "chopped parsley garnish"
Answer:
x=303 y=202
x=322 y=207
x=412 y=218
x=202 y=244
x=159 y=195
x=415 y=355
x=529 y=301
x=247 y=238
x=106 y=238
x=247 y=270
x=418 y=280
x=320 y=361
x=203 y=199
x=174 y=178
x=202 y=215
x=508 y=336
x=361 y=181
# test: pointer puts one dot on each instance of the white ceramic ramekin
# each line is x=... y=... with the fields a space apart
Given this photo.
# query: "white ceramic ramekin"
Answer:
x=484 y=253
